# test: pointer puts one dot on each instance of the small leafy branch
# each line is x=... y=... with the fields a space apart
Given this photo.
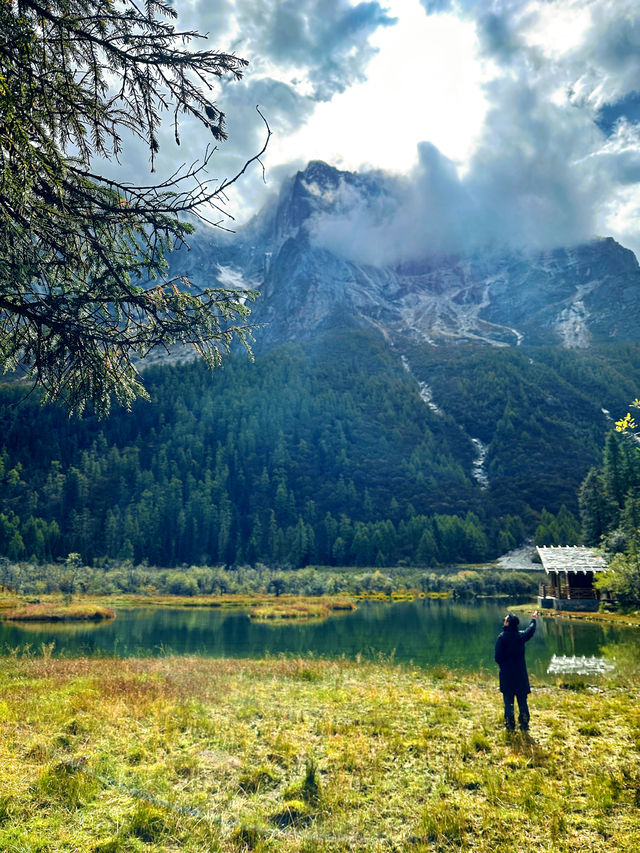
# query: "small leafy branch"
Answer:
x=627 y=425
x=84 y=285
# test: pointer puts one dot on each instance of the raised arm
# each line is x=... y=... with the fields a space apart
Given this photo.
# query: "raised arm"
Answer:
x=528 y=633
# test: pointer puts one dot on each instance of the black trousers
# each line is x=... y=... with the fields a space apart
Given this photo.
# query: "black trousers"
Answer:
x=523 y=710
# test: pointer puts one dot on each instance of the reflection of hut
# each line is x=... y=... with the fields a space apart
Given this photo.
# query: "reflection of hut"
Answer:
x=579 y=665
x=571 y=570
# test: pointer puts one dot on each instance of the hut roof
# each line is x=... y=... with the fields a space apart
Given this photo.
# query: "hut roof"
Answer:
x=572 y=559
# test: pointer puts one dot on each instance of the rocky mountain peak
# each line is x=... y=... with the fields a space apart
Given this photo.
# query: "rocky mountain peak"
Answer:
x=574 y=297
x=312 y=191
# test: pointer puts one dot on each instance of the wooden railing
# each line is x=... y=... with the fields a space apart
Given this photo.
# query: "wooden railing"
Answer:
x=566 y=592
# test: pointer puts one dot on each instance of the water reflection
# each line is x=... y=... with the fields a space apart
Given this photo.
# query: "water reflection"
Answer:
x=579 y=665
x=425 y=632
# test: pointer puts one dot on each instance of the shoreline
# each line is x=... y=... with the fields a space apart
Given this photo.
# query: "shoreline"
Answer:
x=263 y=606
x=629 y=620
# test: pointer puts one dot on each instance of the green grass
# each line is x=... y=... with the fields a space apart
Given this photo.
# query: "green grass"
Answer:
x=55 y=611
x=289 y=607
x=189 y=754
x=53 y=605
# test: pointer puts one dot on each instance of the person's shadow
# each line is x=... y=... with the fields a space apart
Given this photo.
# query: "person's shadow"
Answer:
x=522 y=743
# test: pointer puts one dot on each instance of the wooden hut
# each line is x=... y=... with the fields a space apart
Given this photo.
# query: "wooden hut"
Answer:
x=571 y=570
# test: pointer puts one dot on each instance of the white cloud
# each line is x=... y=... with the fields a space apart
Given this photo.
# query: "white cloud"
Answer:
x=513 y=121
x=542 y=172
x=426 y=212
x=425 y=83
x=325 y=43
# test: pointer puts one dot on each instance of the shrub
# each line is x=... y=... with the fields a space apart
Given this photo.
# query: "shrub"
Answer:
x=258 y=779
x=148 y=823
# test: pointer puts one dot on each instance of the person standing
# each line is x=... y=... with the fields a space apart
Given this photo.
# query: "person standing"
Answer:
x=514 y=679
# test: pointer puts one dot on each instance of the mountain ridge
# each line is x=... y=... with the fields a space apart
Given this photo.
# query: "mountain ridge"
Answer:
x=428 y=411
x=573 y=296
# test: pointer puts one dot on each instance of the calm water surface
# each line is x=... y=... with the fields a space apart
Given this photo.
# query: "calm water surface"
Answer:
x=425 y=632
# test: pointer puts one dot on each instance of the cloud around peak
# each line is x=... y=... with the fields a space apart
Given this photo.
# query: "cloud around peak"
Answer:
x=558 y=158
x=525 y=188
x=550 y=125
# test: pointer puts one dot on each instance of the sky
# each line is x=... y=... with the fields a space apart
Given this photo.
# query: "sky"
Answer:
x=498 y=122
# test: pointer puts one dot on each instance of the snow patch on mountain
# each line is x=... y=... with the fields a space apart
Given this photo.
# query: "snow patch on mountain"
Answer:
x=232 y=278
x=327 y=194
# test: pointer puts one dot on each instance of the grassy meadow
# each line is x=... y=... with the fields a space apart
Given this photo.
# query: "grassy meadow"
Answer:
x=193 y=754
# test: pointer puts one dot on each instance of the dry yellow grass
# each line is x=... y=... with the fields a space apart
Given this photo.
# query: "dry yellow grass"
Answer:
x=291 y=607
x=193 y=754
x=59 y=612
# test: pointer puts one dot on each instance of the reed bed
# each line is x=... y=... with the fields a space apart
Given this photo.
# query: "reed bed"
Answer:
x=59 y=612
x=291 y=607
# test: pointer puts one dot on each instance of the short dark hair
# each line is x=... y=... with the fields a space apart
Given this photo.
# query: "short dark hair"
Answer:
x=512 y=620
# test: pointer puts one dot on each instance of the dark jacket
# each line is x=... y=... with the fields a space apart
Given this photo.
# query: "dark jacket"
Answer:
x=509 y=656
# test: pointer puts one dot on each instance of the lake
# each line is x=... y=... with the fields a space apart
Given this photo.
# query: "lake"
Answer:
x=425 y=632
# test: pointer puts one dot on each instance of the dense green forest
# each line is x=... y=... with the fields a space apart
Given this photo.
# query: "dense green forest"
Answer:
x=539 y=409
x=71 y=577
x=316 y=453
x=609 y=500
x=609 y=497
